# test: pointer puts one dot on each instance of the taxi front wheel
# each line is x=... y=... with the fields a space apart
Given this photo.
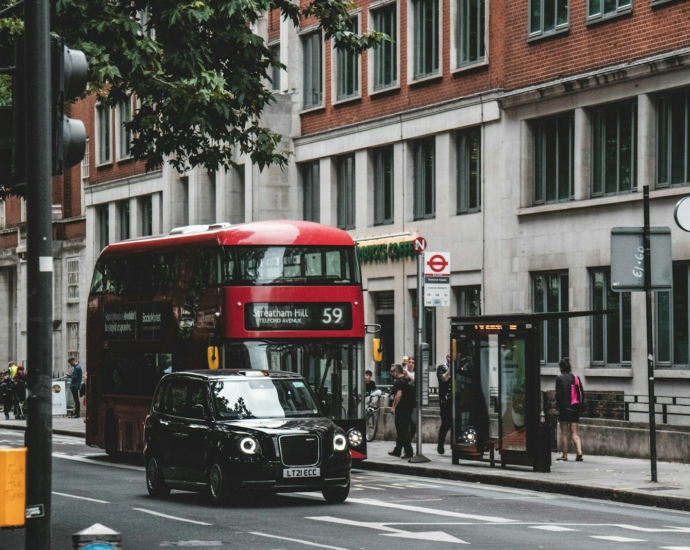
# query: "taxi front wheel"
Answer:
x=218 y=486
x=336 y=495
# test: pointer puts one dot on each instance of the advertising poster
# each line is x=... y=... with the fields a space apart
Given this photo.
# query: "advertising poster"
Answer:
x=59 y=398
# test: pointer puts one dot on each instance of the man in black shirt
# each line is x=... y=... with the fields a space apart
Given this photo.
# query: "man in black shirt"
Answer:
x=369 y=384
x=445 y=398
x=403 y=404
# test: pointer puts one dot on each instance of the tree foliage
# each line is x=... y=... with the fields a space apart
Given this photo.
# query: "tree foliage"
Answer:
x=196 y=67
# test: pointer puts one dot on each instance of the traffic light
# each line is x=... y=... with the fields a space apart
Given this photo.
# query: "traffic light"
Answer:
x=13 y=124
x=70 y=74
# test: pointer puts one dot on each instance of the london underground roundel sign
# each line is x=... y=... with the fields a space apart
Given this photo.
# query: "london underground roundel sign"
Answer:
x=682 y=213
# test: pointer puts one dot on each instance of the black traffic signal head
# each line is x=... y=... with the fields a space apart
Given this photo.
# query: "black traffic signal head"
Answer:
x=70 y=74
x=13 y=125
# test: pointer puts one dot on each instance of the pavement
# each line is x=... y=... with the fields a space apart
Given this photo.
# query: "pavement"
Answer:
x=602 y=477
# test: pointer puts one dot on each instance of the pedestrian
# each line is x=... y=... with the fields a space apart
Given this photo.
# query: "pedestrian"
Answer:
x=12 y=367
x=20 y=393
x=369 y=385
x=445 y=399
x=568 y=412
x=409 y=370
x=403 y=404
x=410 y=373
x=75 y=383
x=7 y=394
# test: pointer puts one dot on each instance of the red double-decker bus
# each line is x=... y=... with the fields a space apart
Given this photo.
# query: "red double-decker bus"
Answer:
x=279 y=295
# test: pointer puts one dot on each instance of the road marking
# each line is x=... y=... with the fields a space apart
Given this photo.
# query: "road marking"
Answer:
x=666 y=529
x=437 y=536
x=371 y=502
x=369 y=487
x=77 y=458
x=296 y=540
x=81 y=498
x=170 y=517
x=551 y=528
x=201 y=543
x=619 y=539
x=675 y=548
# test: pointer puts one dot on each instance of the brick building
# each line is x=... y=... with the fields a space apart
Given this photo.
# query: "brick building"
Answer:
x=513 y=135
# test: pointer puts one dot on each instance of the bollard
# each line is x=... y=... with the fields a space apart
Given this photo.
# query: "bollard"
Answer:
x=12 y=487
x=97 y=537
x=542 y=462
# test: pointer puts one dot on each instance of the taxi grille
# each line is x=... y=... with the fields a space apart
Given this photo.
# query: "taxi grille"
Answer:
x=299 y=450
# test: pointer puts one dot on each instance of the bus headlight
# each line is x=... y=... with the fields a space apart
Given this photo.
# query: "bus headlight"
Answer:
x=249 y=445
x=339 y=442
x=355 y=438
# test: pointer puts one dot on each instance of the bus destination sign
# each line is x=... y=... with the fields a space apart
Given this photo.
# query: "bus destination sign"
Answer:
x=297 y=316
x=143 y=321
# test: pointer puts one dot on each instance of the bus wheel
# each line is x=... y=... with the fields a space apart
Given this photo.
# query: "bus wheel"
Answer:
x=218 y=485
x=155 y=482
x=336 y=495
x=110 y=435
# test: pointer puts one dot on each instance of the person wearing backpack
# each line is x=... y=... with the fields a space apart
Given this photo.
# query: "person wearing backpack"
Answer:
x=570 y=398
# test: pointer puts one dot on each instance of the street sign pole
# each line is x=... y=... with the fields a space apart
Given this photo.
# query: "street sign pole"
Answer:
x=650 y=335
x=420 y=245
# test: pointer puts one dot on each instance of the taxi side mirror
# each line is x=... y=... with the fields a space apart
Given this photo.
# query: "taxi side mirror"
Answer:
x=325 y=407
x=376 y=350
x=212 y=357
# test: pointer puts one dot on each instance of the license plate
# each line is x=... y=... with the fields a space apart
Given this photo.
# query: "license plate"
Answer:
x=301 y=472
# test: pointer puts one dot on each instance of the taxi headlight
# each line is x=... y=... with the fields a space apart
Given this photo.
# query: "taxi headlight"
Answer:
x=339 y=442
x=355 y=438
x=249 y=445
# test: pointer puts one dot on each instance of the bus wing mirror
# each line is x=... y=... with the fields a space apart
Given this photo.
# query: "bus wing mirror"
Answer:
x=376 y=350
x=212 y=357
x=372 y=328
x=453 y=349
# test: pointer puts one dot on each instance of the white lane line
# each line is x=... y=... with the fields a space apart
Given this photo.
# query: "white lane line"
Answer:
x=666 y=529
x=369 y=487
x=308 y=543
x=397 y=506
x=81 y=498
x=675 y=547
x=619 y=539
x=170 y=517
x=437 y=536
x=551 y=528
x=97 y=463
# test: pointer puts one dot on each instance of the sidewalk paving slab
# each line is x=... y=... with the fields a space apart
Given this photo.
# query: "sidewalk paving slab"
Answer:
x=625 y=480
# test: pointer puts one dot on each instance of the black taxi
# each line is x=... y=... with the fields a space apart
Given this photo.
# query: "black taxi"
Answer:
x=226 y=431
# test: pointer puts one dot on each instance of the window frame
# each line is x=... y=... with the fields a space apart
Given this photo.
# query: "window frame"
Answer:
x=72 y=337
x=311 y=191
x=417 y=34
x=464 y=184
x=276 y=72
x=350 y=63
x=384 y=187
x=379 y=52
x=602 y=16
x=345 y=192
x=308 y=39
x=123 y=217
x=547 y=326
x=599 y=154
x=421 y=187
x=459 y=25
x=665 y=137
x=557 y=28
x=541 y=141
x=673 y=300
x=3 y=214
x=103 y=135
x=464 y=300
x=72 y=278
x=620 y=312
x=124 y=149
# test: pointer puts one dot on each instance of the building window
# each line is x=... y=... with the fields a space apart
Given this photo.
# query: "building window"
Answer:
x=313 y=79
x=672 y=321
x=3 y=219
x=124 y=115
x=550 y=294
x=612 y=333
x=468 y=299
x=346 y=192
x=103 y=220
x=469 y=194
x=426 y=38
x=604 y=9
x=312 y=196
x=22 y=209
x=146 y=214
x=673 y=156
x=614 y=155
x=385 y=54
x=72 y=278
x=73 y=340
x=123 y=219
x=383 y=185
x=425 y=179
x=103 y=134
x=276 y=71
x=547 y=16
x=348 y=69
x=85 y=172
x=553 y=159
x=470 y=32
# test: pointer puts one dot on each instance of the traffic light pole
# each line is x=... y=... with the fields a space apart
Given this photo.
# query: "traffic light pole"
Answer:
x=39 y=245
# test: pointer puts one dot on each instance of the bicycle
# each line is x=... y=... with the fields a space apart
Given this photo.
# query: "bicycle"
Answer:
x=372 y=414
